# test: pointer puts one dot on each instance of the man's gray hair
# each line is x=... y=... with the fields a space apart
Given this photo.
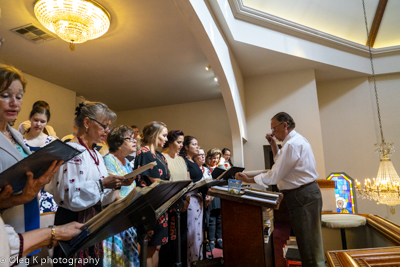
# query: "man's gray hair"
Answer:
x=282 y=117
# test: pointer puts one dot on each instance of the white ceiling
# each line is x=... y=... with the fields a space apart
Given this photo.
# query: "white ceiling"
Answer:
x=148 y=58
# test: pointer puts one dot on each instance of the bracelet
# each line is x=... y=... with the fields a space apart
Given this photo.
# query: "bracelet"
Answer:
x=101 y=185
x=53 y=234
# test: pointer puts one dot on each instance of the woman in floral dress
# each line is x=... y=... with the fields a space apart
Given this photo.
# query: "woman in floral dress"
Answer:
x=154 y=136
x=121 y=250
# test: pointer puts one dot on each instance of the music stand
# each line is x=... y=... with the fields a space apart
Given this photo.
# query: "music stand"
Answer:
x=142 y=214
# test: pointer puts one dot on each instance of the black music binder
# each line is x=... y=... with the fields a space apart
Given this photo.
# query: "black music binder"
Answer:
x=141 y=213
x=221 y=174
x=37 y=163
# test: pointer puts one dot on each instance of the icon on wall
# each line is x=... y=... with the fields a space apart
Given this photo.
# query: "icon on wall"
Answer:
x=344 y=192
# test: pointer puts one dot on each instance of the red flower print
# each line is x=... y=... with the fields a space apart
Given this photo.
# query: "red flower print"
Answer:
x=77 y=189
x=66 y=189
x=160 y=171
x=165 y=225
x=173 y=237
x=72 y=180
x=150 y=233
x=154 y=156
x=143 y=183
x=171 y=232
x=161 y=219
x=58 y=183
x=172 y=224
x=65 y=170
x=173 y=218
x=164 y=240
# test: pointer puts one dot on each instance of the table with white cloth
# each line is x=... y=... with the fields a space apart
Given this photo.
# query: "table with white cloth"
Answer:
x=343 y=221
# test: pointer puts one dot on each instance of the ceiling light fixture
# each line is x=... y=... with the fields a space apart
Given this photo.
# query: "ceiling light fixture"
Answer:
x=208 y=67
x=385 y=189
x=216 y=79
x=75 y=21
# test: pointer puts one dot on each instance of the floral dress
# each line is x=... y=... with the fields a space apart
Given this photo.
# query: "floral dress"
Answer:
x=159 y=234
x=121 y=249
x=46 y=202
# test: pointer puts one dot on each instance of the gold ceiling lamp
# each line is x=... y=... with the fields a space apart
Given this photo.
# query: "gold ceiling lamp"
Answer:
x=75 y=21
x=385 y=189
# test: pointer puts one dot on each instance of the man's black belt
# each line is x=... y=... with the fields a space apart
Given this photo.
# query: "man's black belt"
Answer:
x=294 y=189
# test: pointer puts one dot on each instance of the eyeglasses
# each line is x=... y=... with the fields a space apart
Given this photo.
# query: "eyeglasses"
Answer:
x=273 y=128
x=202 y=155
x=130 y=139
x=105 y=127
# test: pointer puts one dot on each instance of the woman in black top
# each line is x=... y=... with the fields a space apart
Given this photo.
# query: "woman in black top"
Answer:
x=154 y=136
x=195 y=210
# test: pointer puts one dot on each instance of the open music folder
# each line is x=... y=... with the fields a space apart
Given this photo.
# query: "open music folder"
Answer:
x=140 y=209
x=37 y=163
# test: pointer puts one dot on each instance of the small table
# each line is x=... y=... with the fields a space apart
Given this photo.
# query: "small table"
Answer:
x=343 y=221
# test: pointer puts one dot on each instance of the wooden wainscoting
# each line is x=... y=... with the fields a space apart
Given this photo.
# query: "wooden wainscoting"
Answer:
x=385 y=257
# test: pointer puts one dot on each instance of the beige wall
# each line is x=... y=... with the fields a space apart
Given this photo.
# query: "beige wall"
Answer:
x=292 y=92
x=205 y=120
x=350 y=129
x=61 y=101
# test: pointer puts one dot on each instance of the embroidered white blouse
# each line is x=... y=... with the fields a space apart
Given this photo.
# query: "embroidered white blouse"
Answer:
x=76 y=185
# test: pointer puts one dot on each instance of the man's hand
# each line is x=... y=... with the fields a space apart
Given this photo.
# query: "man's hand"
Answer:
x=242 y=177
x=270 y=138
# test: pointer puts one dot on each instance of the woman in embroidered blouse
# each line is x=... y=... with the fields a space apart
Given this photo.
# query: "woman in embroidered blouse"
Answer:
x=154 y=136
x=35 y=138
x=82 y=186
x=18 y=209
x=121 y=249
x=226 y=154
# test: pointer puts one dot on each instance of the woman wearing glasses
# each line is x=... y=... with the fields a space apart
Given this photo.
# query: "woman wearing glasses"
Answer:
x=121 y=249
x=82 y=186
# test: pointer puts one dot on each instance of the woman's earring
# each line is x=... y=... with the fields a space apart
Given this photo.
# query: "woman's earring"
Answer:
x=86 y=130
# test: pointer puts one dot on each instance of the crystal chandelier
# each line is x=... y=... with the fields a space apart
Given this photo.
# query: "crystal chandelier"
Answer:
x=74 y=21
x=385 y=188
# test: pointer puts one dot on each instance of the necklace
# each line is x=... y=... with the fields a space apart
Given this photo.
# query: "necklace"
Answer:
x=92 y=154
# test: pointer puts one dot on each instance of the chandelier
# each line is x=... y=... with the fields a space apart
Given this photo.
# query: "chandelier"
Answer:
x=385 y=189
x=75 y=21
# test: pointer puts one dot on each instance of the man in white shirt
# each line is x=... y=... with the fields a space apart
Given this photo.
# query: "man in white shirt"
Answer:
x=295 y=173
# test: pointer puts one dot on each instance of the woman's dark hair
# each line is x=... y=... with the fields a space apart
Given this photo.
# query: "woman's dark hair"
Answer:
x=172 y=136
x=186 y=142
x=223 y=153
x=282 y=117
x=8 y=74
x=115 y=137
x=38 y=109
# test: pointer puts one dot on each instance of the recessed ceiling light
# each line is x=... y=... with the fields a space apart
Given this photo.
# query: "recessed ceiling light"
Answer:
x=208 y=67
x=216 y=79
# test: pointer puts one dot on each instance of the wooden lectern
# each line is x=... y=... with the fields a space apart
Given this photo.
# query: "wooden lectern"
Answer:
x=244 y=232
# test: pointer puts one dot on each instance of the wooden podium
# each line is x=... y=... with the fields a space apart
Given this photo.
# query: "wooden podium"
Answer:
x=243 y=230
